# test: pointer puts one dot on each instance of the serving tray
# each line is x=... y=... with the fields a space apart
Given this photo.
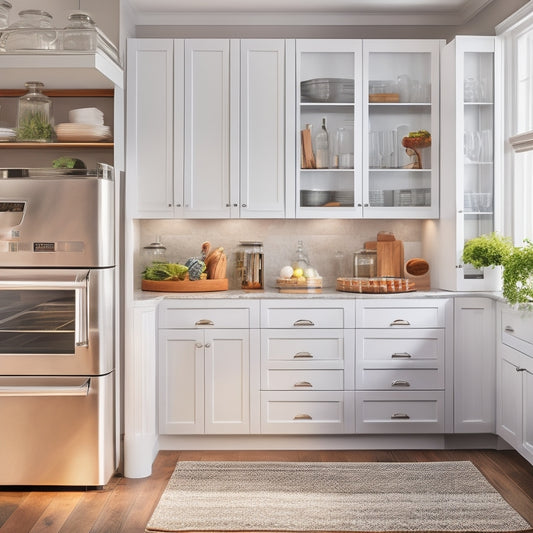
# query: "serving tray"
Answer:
x=201 y=285
x=375 y=285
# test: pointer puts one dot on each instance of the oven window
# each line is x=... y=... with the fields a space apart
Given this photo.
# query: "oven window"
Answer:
x=37 y=321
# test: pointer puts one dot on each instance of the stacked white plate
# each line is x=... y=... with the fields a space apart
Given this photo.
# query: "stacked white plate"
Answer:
x=86 y=115
x=7 y=134
x=75 y=132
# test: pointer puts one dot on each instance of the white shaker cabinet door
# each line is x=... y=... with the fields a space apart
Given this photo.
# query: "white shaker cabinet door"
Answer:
x=262 y=176
x=150 y=101
x=207 y=170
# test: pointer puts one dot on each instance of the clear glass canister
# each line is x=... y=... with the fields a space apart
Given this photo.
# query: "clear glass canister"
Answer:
x=365 y=264
x=250 y=265
x=34 y=32
x=4 y=14
x=35 y=119
x=155 y=252
x=80 y=32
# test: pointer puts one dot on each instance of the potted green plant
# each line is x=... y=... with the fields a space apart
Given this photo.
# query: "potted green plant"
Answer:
x=516 y=261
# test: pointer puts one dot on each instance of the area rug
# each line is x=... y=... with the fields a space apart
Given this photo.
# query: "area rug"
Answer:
x=362 y=497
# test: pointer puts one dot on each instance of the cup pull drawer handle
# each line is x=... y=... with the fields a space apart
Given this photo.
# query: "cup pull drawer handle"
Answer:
x=509 y=329
x=303 y=417
x=302 y=355
x=304 y=322
x=400 y=416
x=400 y=383
x=204 y=322
x=400 y=322
x=303 y=384
x=401 y=355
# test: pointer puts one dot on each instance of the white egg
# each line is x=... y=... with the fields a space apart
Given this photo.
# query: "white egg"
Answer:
x=286 y=272
x=310 y=273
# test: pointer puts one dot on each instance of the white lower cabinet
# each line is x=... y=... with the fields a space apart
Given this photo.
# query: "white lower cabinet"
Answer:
x=514 y=421
x=402 y=366
x=204 y=371
x=307 y=372
x=474 y=366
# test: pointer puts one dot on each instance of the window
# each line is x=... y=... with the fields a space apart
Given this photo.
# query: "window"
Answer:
x=517 y=39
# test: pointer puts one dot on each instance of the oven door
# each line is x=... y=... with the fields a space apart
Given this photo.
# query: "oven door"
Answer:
x=56 y=321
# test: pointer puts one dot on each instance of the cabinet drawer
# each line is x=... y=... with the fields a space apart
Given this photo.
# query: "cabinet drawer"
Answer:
x=399 y=379
x=399 y=348
x=303 y=380
x=400 y=314
x=517 y=330
x=302 y=348
x=307 y=412
x=397 y=412
x=303 y=315
x=187 y=317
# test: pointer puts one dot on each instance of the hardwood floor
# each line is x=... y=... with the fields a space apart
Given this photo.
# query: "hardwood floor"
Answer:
x=125 y=505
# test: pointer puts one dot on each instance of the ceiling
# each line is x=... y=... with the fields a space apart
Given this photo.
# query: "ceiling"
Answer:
x=356 y=12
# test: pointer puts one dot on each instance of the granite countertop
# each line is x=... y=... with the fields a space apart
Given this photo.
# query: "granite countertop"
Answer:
x=327 y=293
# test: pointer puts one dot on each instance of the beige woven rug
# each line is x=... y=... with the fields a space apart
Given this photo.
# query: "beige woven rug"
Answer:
x=362 y=497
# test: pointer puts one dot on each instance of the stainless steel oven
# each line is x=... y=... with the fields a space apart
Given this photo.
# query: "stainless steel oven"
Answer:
x=57 y=330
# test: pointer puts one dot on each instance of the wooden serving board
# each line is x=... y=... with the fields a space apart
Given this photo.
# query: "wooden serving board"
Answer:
x=201 y=285
x=390 y=257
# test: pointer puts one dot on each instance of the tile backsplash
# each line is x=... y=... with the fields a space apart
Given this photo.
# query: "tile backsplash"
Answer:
x=322 y=239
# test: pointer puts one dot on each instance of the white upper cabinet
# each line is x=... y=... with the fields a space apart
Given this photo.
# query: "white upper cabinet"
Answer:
x=401 y=96
x=206 y=121
x=469 y=164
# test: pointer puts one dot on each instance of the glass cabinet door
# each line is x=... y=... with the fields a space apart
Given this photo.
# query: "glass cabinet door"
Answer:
x=401 y=128
x=328 y=125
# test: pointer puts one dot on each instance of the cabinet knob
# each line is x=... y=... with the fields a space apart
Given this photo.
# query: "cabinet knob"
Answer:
x=235 y=205
x=244 y=205
x=365 y=205
x=208 y=345
x=400 y=322
x=400 y=383
x=169 y=205
x=400 y=416
x=178 y=205
x=228 y=205
x=199 y=345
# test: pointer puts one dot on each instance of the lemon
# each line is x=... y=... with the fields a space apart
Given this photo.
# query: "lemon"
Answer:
x=298 y=273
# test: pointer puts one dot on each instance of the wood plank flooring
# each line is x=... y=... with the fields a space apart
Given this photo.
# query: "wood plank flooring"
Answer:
x=125 y=505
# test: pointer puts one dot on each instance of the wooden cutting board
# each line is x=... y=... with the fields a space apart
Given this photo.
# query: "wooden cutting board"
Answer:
x=390 y=258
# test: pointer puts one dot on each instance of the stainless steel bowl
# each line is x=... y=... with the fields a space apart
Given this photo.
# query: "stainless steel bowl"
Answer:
x=327 y=90
x=314 y=197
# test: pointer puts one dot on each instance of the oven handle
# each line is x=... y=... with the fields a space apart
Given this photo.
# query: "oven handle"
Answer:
x=43 y=390
x=82 y=315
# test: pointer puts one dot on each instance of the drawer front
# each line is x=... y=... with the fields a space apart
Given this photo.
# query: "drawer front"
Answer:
x=400 y=348
x=396 y=412
x=299 y=316
x=302 y=348
x=399 y=379
x=398 y=314
x=307 y=412
x=303 y=380
x=184 y=317
x=517 y=330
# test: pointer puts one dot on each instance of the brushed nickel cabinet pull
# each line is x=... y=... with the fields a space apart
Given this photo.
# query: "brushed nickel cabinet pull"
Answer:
x=303 y=417
x=401 y=355
x=509 y=329
x=303 y=384
x=204 y=322
x=400 y=416
x=400 y=322
x=303 y=322
x=400 y=383
x=302 y=355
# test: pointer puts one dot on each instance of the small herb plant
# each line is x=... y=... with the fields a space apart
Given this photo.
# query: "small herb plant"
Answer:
x=517 y=262
x=34 y=127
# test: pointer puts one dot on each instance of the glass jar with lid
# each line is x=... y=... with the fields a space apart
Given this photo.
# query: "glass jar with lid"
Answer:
x=35 y=119
x=365 y=263
x=250 y=265
x=34 y=31
x=5 y=7
x=155 y=252
x=80 y=32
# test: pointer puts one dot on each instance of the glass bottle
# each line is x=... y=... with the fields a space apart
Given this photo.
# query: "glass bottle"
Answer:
x=300 y=257
x=4 y=13
x=322 y=146
x=80 y=32
x=35 y=120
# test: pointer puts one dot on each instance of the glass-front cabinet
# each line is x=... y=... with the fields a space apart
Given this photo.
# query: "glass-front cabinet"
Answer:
x=401 y=128
x=470 y=163
x=329 y=127
x=367 y=132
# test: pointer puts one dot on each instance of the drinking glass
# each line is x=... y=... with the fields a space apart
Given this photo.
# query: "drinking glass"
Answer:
x=344 y=147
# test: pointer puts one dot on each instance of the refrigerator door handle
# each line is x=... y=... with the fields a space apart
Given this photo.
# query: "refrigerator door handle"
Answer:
x=44 y=390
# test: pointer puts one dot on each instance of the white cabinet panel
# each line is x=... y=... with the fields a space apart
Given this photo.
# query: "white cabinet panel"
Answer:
x=306 y=314
x=400 y=379
x=183 y=315
x=303 y=379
